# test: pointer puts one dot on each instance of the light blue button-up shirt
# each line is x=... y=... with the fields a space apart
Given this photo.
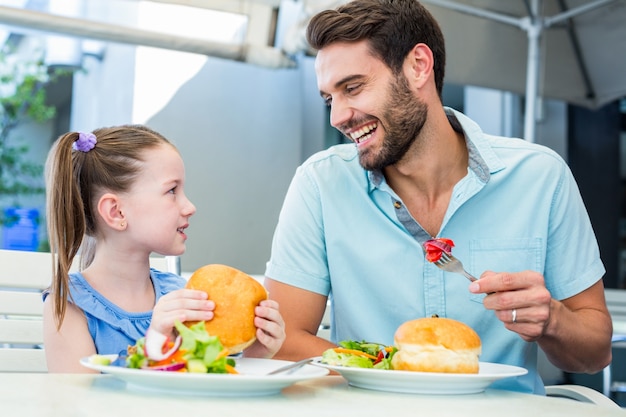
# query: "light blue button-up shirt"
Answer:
x=344 y=233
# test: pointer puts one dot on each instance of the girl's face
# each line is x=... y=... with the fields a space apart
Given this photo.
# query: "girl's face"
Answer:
x=156 y=208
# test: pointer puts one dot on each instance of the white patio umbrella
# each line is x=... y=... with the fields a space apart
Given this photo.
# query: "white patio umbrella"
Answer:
x=572 y=50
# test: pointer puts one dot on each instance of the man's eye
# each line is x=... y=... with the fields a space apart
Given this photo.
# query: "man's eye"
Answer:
x=328 y=101
x=353 y=87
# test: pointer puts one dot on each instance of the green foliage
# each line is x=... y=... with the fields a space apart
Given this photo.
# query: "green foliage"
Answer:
x=29 y=100
x=22 y=99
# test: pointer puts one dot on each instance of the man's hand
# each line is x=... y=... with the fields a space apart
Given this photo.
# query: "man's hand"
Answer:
x=520 y=300
x=575 y=333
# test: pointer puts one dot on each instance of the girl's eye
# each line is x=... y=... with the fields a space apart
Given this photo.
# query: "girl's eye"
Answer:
x=172 y=191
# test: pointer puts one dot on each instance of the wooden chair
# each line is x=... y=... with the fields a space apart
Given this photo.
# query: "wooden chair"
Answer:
x=23 y=276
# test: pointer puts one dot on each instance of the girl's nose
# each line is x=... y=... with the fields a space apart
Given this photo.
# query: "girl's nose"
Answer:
x=190 y=208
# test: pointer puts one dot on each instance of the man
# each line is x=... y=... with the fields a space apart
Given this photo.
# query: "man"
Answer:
x=355 y=216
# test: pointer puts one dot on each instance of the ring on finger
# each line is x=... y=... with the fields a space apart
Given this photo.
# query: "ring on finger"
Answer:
x=514 y=315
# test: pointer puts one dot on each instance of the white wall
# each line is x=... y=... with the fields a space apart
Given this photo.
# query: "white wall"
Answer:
x=239 y=129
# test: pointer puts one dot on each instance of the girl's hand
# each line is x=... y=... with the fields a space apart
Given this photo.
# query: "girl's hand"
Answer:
x=182 y=305
x=270 y=333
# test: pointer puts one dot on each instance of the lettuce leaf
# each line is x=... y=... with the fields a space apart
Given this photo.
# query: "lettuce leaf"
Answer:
x=382 y=353
x=345 y=359
x=203 y=352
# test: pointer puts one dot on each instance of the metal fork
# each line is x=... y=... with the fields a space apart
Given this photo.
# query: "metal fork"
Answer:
x=449 y=263
x=291 y=368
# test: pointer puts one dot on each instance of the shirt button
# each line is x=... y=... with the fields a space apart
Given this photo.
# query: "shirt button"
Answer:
x=397 y=204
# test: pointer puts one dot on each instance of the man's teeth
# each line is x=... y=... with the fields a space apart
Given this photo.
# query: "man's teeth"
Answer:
x=363 y=133
x=363 y=138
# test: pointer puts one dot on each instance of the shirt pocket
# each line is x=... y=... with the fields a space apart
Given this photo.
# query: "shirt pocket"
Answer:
x=505 y=255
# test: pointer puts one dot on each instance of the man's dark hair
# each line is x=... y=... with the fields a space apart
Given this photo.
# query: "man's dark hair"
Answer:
x=392 y=28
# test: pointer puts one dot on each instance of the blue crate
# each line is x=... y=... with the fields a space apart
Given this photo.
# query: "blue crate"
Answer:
x=23 y=232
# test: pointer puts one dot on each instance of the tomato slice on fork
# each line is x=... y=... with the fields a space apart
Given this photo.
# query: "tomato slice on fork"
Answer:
x=435 y=247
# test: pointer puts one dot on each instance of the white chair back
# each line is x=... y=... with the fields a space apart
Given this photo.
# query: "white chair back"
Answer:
x=616 y=303
x=580 y=393
x=23 y=277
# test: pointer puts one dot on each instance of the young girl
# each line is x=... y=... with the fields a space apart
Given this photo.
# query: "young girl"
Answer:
x=118 y=194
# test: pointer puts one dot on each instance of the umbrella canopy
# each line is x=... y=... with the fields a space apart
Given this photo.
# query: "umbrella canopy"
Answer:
x=570 y=50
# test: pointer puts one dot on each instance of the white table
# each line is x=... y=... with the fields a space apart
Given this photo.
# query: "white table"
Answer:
x=74 y=395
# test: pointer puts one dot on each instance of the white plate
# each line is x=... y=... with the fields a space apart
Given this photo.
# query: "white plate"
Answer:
x=251 y=380
x=425 y=382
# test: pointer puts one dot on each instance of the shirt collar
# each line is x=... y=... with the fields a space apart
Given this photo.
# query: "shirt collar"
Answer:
x=482 y=159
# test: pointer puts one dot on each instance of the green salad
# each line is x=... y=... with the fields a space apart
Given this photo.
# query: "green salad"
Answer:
x=197 y=351
x=360 y=355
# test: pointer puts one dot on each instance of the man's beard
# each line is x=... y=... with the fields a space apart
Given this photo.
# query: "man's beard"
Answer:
x=404 y=117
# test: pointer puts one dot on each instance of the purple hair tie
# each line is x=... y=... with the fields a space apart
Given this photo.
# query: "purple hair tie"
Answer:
x=85 y=142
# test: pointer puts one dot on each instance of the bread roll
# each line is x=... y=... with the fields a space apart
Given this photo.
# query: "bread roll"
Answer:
x=235 y=294
x=436 y=345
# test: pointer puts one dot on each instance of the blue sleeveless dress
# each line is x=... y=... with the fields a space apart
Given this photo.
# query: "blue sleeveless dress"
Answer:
x=112 y=328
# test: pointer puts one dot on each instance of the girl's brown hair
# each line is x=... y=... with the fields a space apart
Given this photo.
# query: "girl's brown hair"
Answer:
x=74 y=181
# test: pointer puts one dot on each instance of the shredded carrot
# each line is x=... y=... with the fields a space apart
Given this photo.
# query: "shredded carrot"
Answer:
x=176 y=357
x=230 y=369
x=222 y=354
x=355 y=352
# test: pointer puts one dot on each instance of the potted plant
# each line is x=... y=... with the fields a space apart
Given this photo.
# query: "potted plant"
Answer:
x=22 y=99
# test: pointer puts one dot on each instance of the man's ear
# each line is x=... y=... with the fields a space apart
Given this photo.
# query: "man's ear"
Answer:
x=420 y=64
x=110 y=211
